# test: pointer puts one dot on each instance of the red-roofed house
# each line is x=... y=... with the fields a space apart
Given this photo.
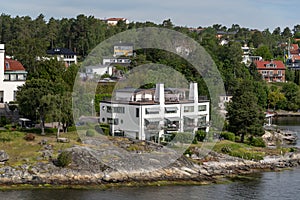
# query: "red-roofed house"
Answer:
x=114 y=21
x=12 y=75
x=271 y=71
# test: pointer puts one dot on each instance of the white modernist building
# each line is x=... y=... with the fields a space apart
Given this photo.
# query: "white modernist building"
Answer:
x=149 y=114
x=12 y=75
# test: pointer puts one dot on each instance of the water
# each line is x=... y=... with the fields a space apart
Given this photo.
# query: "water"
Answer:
x=291 y=124
x=262 y=186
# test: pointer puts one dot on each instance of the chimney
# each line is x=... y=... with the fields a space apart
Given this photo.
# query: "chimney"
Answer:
x=193 y=94
x=2 y=58
x=160 y=93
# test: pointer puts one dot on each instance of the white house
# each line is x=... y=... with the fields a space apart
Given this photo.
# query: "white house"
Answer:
x=149 y=114
x=12 y=75
x=224 y=99
x=92 y=72
x=247 y=57
x=64 y=55
x=114 y=21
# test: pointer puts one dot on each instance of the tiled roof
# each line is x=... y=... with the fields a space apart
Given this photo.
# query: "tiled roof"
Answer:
x=60 y=51
x=264 y=64
x=294 y=46
x=296 y=57
x=13 y=65
x=115 y=19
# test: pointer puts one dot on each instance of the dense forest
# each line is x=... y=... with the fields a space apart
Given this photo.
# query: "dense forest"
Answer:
x=28 y=38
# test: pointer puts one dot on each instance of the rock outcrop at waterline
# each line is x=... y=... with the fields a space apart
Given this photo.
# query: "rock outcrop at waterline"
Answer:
x=86 y=169
x=279 y=137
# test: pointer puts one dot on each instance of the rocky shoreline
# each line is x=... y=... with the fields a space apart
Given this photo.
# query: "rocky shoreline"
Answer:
x=84 y=170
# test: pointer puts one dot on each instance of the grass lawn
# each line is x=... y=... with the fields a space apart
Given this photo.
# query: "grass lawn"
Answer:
x=242 y=150
x=21 y=151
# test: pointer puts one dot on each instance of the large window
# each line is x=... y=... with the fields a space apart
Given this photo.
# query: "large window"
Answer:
x=202 y=121
x=171 y=110
x=13 y=77
x=152 y=110
x=6 y=77
x=188 y=108
x=202 y=108
x=113 y=121
x=119 y=110
x=21 y=77
x=109 y=110
x=279 y=73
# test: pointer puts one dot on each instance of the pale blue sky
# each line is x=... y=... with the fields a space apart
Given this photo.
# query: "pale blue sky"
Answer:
x=259 y=14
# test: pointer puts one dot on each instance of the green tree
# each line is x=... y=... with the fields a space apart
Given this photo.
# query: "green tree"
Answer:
x=292 y=94
x=264 y=52
x=45 y=92
x=275 y=97
x=244 y=115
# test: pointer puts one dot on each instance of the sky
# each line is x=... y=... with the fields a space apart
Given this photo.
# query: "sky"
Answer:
x=253 y=14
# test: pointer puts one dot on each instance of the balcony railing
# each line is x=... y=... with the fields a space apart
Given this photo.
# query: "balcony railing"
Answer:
x=171 y=127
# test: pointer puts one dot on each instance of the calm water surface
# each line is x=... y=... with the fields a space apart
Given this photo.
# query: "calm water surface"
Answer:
x=270 y=185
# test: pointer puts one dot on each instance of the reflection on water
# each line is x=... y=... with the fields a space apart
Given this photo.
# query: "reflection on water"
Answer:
x=287 y=121
x=291 y=124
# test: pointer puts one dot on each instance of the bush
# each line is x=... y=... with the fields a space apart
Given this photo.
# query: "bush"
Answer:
x=72 y=129
x=50 y=130
x=90 y=133
x=3 y=121
x=104 y=125
x=256 y=141
x=64 y=159
x=29 y=137
x=228 y=136
x=32 y=130
x=200 y=135
x=226 y=149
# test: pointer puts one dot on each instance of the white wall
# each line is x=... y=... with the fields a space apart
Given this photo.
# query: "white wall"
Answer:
x=8 y=87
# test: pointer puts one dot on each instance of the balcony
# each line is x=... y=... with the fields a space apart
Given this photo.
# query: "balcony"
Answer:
x=203 y=124
x=153 y=124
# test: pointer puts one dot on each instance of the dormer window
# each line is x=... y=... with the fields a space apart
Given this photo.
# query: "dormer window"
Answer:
x=271 y=65
x=7 y=65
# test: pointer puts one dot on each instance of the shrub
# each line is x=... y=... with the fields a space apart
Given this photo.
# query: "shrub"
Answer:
x=72 y=129
x=256 y=141
x=237 y=138
x=50 y=130
x=228 y=136
x=3 y=121
x=226 y=149
x=29 y=137
x=32 y=130
x=188 y=152
x=200 y=135
x=64 y=159
x=90 y=133
x=105 y=131
x=102 y=125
